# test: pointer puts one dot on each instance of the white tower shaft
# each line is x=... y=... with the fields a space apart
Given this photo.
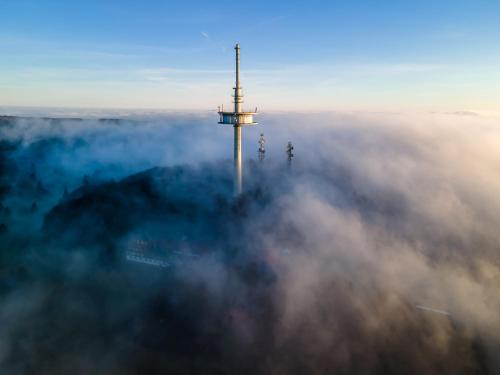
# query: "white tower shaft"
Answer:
x=238 y=165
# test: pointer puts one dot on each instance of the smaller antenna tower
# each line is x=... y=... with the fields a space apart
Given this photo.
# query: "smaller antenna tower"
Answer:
x=262 y=147
x=289 y=151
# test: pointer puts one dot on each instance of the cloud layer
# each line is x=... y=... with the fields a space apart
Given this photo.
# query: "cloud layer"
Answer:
x=321 y=266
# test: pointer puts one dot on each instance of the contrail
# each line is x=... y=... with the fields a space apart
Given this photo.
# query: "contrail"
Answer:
x=432 y=310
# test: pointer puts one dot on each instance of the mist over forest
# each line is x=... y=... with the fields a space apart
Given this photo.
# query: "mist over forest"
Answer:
x=375 y=250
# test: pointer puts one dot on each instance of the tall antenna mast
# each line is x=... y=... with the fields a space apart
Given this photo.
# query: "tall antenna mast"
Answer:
x=238 y=118
x=238 y=95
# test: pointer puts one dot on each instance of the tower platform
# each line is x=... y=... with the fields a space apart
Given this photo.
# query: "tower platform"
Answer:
x=240 y=118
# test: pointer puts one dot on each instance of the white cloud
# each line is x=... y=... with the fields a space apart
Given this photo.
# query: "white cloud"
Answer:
x=205 y=35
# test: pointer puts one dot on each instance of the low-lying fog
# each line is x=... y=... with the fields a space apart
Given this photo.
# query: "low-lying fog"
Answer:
x=376 y=250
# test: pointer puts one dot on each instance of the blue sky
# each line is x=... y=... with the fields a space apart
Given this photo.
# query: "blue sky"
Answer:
x=330 y=55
